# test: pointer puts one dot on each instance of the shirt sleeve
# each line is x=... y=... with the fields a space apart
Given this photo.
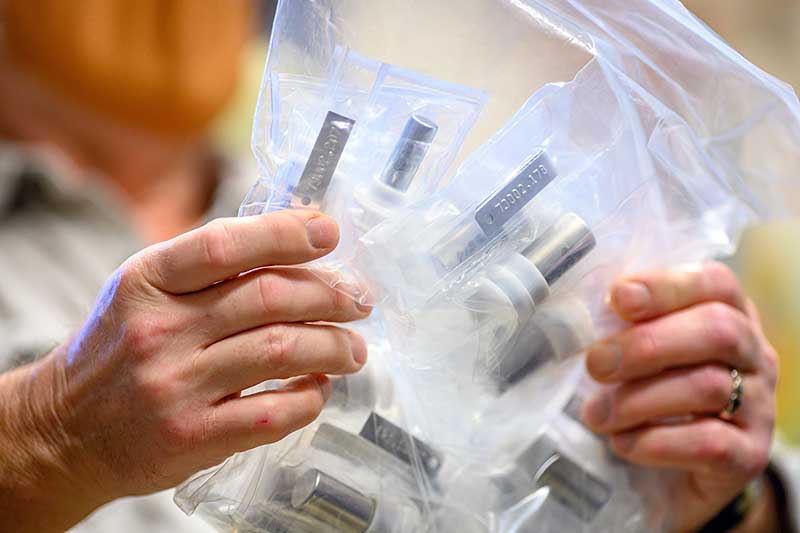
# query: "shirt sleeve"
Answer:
x=784 y=475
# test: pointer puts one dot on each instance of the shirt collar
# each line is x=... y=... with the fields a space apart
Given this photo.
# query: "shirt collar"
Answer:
x=31 y=174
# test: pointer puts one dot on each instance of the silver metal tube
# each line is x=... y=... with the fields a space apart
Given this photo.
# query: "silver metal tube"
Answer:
x=332 y=502
x=581 y=492
x=409 y=152
x=562 y=245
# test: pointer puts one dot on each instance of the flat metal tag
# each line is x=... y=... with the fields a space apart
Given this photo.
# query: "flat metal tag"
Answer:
x=321 y=165
x=535 y=175
x=396 y=441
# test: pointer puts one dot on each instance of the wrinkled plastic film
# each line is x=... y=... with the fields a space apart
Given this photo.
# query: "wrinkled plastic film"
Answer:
x=359 y=144
x=657 y=149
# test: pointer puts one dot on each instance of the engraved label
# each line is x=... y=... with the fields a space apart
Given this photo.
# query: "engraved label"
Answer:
x=534 y=176
x=321 y=164
x=397 y=442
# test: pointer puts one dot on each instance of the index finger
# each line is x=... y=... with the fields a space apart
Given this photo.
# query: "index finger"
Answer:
x=226 y=247
x=655 y=293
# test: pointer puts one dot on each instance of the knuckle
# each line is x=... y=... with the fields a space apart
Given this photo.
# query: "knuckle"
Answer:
x=177 y=433
x=155 y=389
x=770 y=354
x=300 y=417
x=659 y=448
x=157 y=263
x=724 y=327
x=313 y=408
x=142 y=338
x=145 y=335
x=128 y=275
x=339 y=304
x=309 y=409
x=716 y=450
x=644 y=343
x=771 y=365
x=723 y=281
x=621 y=451
x=279 y=346
x=339 y=349
x=348 y=341
x=131 y=282
x=216 y=238
x=279 y=228
x=118 y=295
x=712 y=384
x=270 y=292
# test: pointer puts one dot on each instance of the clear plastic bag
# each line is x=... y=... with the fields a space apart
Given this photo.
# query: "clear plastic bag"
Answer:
x=660 y=149
x=361 y=143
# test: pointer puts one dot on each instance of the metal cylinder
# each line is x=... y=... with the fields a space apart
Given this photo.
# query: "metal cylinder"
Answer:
x=580 y=491
x=409 y=152
x=332 y=502
x=562 y=245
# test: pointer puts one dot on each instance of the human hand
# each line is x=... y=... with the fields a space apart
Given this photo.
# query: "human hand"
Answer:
x=148 y=392
x=669 y=378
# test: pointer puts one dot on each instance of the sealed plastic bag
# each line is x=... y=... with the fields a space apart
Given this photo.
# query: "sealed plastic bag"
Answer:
x=656 y=146
x=359 y=144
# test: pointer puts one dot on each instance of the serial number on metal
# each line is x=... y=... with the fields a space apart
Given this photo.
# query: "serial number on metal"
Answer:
x=397 y=442
x=321 y=164
x=535 y=175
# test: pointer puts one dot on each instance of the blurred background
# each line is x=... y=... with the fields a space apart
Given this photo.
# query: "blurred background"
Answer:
x=769 y=258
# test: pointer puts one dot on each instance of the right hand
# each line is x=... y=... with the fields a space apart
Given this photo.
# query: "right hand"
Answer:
x=149 y=391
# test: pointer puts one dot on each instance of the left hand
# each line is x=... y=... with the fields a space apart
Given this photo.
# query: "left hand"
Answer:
x=669 y=377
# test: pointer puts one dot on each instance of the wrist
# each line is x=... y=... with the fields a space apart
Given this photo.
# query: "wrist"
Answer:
x=40 y=482
x=753 y=510
x=767 y=513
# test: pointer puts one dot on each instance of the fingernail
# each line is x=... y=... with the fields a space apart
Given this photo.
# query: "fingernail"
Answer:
x=622 y=443
x=631 y=297
x=324 y=385
x=359 y=348
x=603 y=359
x=322 y=232
x=363 y=308
x=597 y=410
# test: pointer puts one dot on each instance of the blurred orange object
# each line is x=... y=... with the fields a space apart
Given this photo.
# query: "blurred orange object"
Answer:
x=167 y=65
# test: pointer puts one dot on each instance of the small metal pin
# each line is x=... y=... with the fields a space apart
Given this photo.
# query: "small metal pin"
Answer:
x=409 y=152
x=332 y=502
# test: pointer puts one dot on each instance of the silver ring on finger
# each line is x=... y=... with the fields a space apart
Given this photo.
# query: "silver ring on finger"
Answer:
x=735 y=396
